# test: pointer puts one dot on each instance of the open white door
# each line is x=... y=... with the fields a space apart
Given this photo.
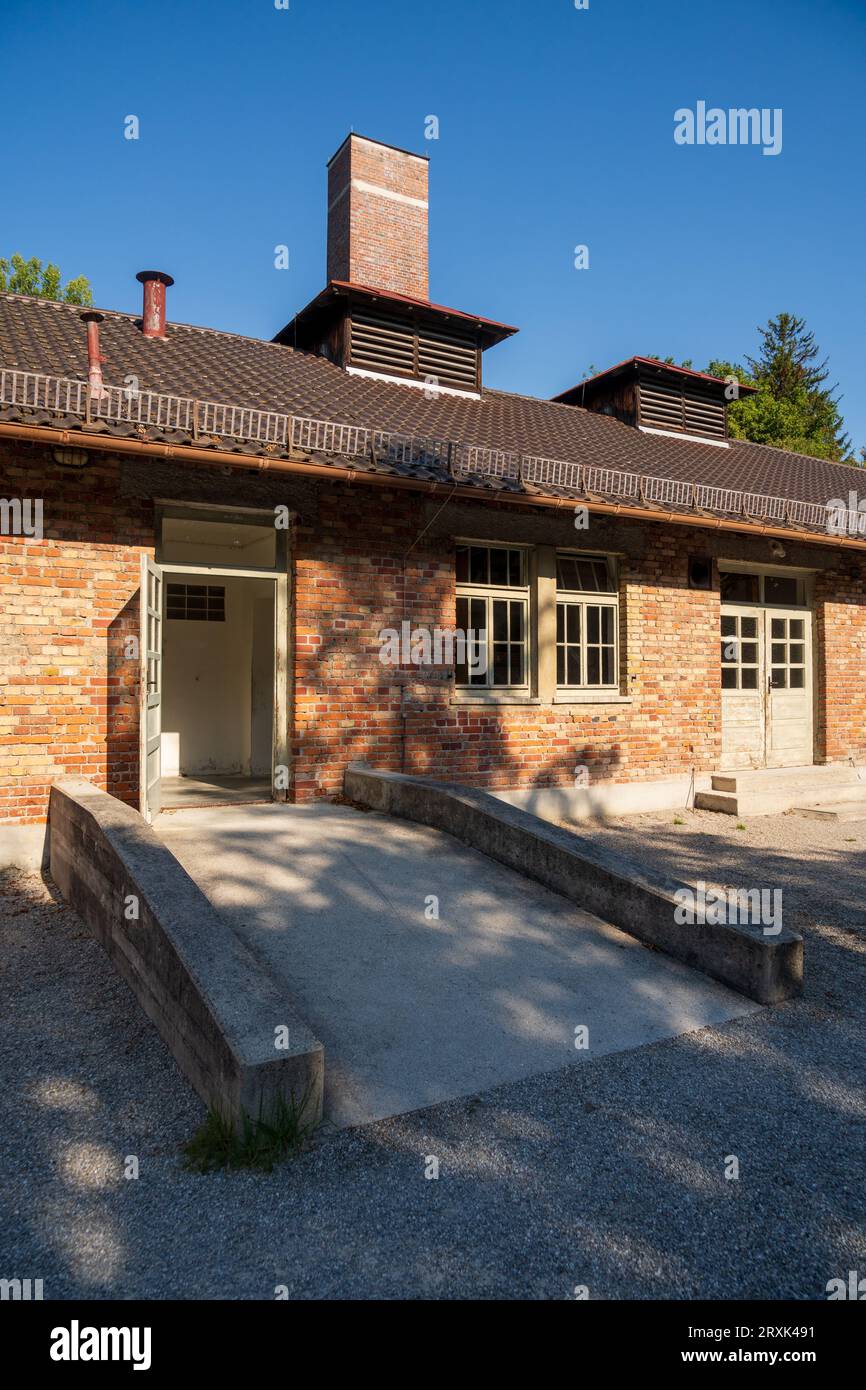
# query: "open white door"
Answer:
x=150 y=690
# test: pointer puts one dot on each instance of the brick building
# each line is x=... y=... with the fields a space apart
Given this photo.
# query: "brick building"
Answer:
x=207 y=538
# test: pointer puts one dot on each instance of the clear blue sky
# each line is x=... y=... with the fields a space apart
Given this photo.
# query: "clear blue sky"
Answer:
x=556 y=128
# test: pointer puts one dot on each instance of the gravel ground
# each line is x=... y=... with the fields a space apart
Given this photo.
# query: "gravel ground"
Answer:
x=608 y=1175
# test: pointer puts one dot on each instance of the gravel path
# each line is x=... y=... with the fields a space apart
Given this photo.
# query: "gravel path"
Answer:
x=609 y=1175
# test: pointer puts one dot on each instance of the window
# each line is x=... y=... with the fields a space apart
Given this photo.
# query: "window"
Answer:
x=202 y=603
x=739 y=652
x=787 y=590
x=586 y=627
x=787 y=654
x=493 y=605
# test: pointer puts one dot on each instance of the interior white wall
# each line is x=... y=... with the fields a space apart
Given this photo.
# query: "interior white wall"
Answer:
x=208 y=684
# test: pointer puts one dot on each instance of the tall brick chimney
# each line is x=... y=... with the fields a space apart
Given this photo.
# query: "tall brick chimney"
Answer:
x=377 y=217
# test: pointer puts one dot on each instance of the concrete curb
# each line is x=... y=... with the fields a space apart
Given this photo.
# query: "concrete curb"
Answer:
x=614 y=888
x=213 y=1004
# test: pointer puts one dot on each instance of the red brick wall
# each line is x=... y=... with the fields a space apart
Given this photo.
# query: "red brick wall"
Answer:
x=349 y=585
x=840 y=662
x=374 y=240
x=68 y=692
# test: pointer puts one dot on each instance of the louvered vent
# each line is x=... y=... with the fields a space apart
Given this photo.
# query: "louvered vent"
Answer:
x=682 y=407
x=381 y=344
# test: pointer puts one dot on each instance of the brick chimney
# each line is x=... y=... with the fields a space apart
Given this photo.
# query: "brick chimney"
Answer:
x=377 y=217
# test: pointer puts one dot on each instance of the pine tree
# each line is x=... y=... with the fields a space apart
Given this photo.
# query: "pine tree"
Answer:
x=793 y=407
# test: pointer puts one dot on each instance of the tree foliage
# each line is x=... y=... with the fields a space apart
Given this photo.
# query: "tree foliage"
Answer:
x=793 y=407
x=42 y=282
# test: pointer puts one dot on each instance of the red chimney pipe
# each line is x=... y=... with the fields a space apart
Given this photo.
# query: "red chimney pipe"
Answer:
x=94 y=362
x=153 y=313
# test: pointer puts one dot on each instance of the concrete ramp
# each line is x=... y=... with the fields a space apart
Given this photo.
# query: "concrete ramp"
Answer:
x=428 y=970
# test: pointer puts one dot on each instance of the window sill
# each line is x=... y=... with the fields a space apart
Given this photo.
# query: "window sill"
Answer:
x=493 y=697
x=591 y=697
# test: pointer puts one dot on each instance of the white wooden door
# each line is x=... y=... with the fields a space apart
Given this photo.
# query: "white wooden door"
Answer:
x=150 y=689
x=788 y=664
x=766 y=665
x=742 y=687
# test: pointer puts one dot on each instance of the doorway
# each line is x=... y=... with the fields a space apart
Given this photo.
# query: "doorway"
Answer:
x=214 y=635
x=766 y=671
x=217 y=688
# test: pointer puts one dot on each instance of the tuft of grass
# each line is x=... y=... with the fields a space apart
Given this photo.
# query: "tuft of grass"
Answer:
x=740 y=825
x=677 y=821
x=260 y=1144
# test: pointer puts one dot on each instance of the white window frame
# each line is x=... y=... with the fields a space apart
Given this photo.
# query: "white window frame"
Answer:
x=465 y=589
x=584 y=599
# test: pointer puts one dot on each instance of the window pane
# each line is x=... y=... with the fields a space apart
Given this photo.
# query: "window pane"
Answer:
x=749 y=678
x=797 y=653
x=782 y=589
x=798 y=629
x=566 y=572
x=729 y=652
x=462 y=614
x=461 y=564
x=729 y=625
x=592 y=624
x=516 y=622
x=778 y=678
x=560 y=622
x=593 y=666
x=516 y=665
x=478 y=613
x=560 y=666
x=607 y=665
x=607 y=625
x=729 y=678
x=750 y=653
x=586 y=574
x=499 y=567
x=798 y=678
x=515 y=567
x=573 y=666
x=573 y=628
x=749 y=627
x=777 y=627
x=500 y=663
x=500 y=619
x=738 y=588
x=478 y=564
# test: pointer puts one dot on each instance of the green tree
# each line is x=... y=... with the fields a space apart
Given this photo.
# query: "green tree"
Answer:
x=43 y=282
x=793 y=407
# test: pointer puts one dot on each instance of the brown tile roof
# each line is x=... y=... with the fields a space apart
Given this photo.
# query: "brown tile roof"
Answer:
x=43 y=336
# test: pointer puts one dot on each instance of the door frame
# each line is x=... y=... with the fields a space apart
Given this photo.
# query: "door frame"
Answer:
x=764 y=612
x=280 y=573
x=152 y=616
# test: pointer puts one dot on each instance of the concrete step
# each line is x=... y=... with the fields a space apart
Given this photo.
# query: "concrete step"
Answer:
x=717 y=801
x=771 y=791
x=780 y=779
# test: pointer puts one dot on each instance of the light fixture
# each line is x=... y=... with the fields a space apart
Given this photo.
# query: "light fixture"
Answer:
x=777 y=549
x=71 y=458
